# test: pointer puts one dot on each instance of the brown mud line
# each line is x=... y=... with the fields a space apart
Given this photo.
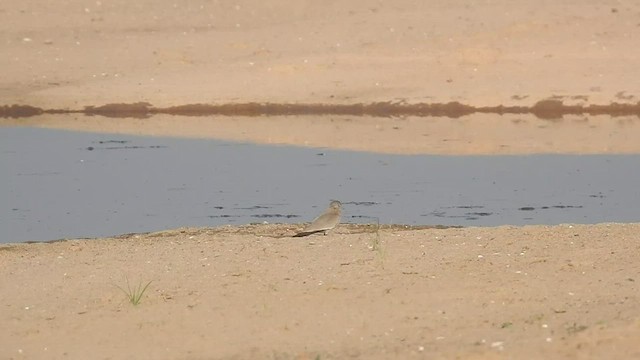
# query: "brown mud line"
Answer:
x=272 y=230
x=544 y=109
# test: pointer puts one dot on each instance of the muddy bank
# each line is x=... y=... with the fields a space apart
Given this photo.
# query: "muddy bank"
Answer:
x=544 y=109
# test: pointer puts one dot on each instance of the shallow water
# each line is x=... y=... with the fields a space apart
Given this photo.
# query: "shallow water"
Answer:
x=62 y=184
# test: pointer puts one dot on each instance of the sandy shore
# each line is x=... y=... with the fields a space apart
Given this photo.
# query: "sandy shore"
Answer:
x=568 y=291
x=561 y=292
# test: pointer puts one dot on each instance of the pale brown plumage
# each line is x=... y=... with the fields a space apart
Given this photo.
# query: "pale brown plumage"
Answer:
x=325 y=222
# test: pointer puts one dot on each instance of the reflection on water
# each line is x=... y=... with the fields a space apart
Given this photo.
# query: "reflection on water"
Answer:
x=59 y=184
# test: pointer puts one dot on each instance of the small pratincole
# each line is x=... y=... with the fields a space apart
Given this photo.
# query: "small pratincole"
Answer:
x=325 y=222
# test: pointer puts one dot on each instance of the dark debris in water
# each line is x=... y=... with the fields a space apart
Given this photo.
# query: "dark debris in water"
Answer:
x=256 y=207
x=562 y=207
x=362 y=203
x=268 y=216
x=111 y=141
x=133 y=147
x=466 y=216
x=479 y=214
x=531 y=208
x=476 y=215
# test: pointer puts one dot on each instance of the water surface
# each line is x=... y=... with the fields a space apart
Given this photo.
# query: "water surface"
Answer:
x=62 y=184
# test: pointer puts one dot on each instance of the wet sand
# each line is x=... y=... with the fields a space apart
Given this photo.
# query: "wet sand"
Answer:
x=565 y=291
x=477 y=134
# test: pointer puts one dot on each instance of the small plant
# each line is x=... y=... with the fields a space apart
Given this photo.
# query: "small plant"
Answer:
x=377 y=244
x=575 y=328
x=376 y=241
x=134 y=294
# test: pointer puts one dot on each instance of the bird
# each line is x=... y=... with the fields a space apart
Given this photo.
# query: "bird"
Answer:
x=325 y=222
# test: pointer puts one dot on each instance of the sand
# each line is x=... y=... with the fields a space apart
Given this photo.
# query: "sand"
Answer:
x=252 y=292
x=568 y=291
x=74 y=54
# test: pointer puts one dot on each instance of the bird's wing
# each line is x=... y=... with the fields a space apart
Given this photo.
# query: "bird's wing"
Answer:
x=305 y=233
x=325 y=221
